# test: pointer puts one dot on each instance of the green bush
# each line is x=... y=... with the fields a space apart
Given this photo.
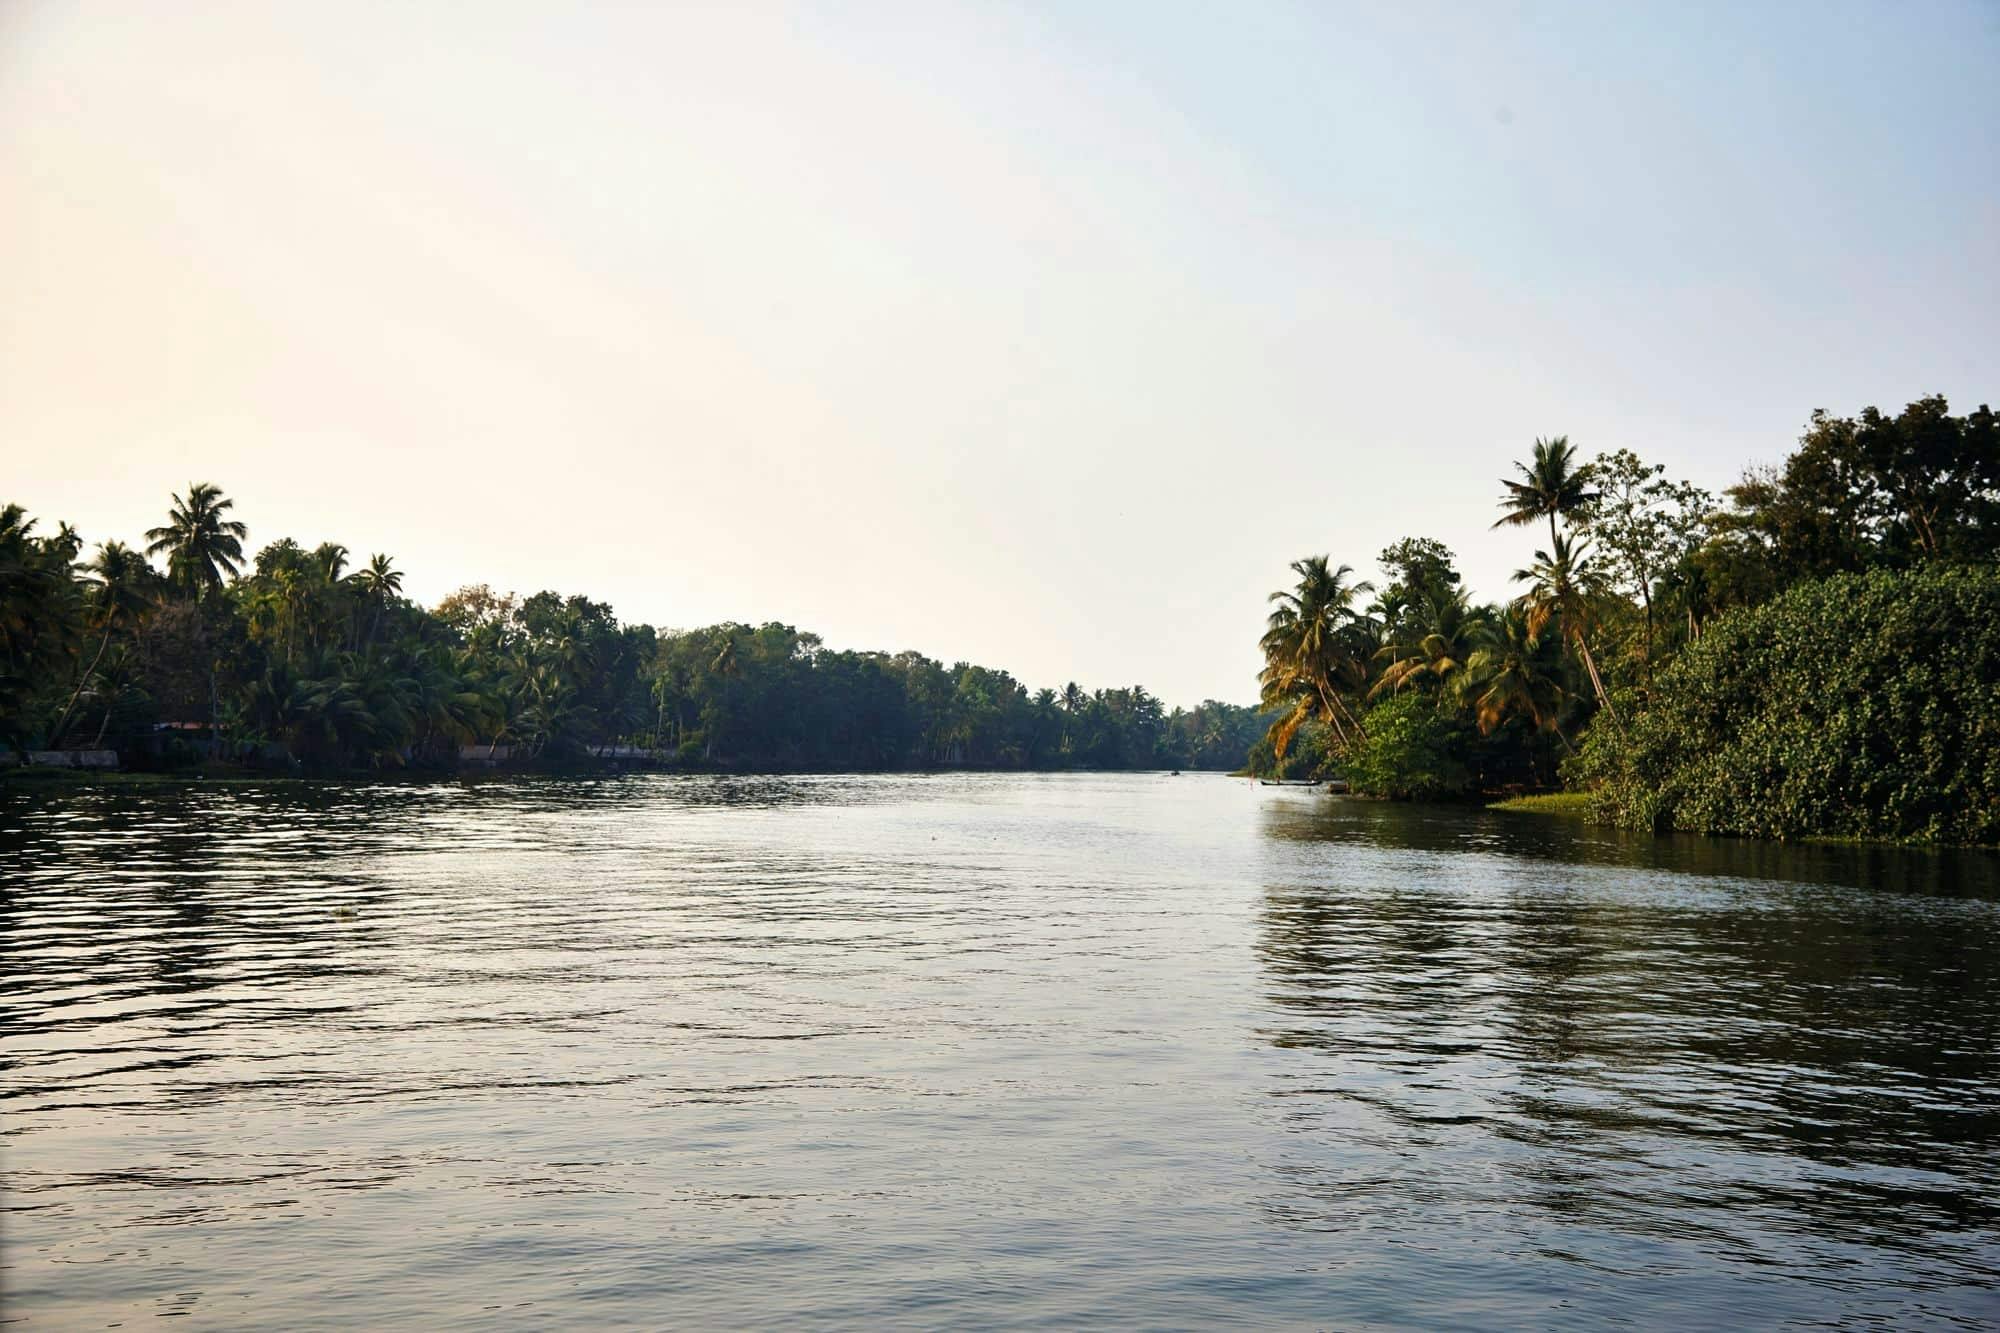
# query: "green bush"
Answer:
x=1411 y=751
x=1864 y=705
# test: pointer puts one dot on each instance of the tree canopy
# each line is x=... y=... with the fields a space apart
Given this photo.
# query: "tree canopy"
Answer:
x=303 y=655
x=1749 y=665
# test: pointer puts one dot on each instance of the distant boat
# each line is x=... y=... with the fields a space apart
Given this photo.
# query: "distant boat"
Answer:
x=1289 y=782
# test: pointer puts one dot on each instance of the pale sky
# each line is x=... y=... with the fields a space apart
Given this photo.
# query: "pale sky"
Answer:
x=1043 y=337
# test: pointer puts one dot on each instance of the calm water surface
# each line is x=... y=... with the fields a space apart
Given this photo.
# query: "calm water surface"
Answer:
x=916 y=1051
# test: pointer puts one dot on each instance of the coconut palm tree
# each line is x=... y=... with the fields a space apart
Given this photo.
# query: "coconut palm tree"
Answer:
x=122 y=587
x=1505 y=678
x=1551 y=485
x=34 y=588
x=379 y=580
x=1312 y=652
x=379 y=577
x=1564 y=587
x=201 y=545
x=1435 y=640
x=38 y=617
x=330 y=558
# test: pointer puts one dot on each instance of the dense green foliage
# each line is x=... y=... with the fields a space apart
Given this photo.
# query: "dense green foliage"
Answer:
x=1420 y=693
x=1862 y=705
x=1637 y=633
x=298 y=658
x=1411 y=750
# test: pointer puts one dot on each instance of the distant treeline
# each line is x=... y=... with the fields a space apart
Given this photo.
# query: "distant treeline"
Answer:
x=1814 y=651
x=299 y=657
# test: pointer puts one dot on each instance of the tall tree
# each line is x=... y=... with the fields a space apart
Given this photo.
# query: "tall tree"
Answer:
x=1861 y=492
x=1433 y=637
x=122 y=587
x=379 y=581
x=1563 y=587
x=1506 y=677
x=201 y=544
x=38 y=619
x=1551 y=485
x=1644 y=526
x=1311 y=659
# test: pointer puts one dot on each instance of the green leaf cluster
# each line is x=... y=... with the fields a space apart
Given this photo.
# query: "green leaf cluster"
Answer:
x=1409 y=750
x=1861 y=705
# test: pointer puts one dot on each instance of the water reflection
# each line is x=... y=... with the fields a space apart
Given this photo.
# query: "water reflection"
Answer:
x=895 y=1050
x=1471 y=830
x=1719 y=1068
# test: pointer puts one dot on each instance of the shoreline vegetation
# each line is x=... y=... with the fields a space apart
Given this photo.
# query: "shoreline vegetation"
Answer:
x=225 y=775
x=1572 y=804
x=1813 y=654
x=299 y=660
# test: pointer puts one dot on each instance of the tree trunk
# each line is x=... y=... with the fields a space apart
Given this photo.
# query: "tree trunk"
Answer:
x=62 y=723
x=1597 y=681
x=1646 y=594
x=1360 y=731
x=1332 y=714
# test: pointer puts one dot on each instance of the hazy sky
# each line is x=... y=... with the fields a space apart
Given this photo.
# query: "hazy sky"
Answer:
x=1040 y=337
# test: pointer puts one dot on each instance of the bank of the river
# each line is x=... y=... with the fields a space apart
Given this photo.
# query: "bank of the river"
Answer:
x=1574 y=803
x=34 y=779
x=223 y=774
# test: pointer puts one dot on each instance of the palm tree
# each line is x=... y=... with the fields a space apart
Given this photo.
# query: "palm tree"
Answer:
x=448 y=705
x=38 y=610
x=379 y=580
x=331 y=560
x=549 y=711
x=1564 y=587
x=1551 y=484
x=1434 y=641
x=1504 y=677
x=34 y=583
x=1311 y=653
x=199 y=543
x=121 y=589
x=379 y=577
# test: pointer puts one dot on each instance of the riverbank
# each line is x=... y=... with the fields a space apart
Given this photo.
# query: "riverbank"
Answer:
x=1574 y=804
x=40 y=778
x=234 y=775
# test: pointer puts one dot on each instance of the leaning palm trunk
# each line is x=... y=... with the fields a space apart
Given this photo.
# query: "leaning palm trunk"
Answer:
x=1596 y=681
x=1329 y=704
x=1360 y=732
x=62 y=723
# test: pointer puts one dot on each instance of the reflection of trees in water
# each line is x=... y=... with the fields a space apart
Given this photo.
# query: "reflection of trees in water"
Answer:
x=1943 y=872
x=244 y=894
x=1656 y=1051
x=178 y=911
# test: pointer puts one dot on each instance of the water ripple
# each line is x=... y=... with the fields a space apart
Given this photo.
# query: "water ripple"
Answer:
x=908 y=1050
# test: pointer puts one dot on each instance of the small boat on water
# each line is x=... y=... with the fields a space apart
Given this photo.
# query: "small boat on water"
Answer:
x=1289 y=782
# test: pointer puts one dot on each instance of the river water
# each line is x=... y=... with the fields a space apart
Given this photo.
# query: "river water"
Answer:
x=975 y=1050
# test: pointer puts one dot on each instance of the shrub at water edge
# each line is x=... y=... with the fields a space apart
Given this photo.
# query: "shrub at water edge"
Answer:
x=1864 y=705
x=1410 y=751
